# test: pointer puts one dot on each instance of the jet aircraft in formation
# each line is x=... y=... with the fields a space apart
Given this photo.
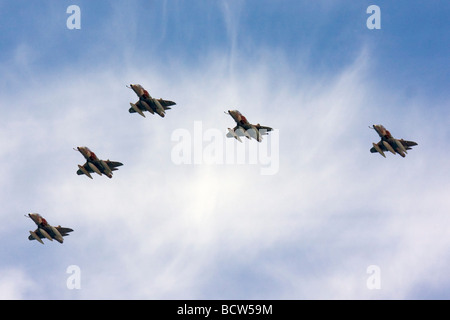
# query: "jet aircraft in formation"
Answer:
x=45 y=230
x=94 y=164
x=147 y=103
x=159 y=106
x=245 y=128
x=389 y=143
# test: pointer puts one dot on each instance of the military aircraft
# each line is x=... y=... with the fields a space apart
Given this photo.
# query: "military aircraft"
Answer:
x=389 y=143
x=94 y=164
x=45 y=230
x=245 y=128
x=147 y=103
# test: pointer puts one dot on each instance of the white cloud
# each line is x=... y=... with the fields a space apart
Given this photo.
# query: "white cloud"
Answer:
x=14 y=284
x=158 y=230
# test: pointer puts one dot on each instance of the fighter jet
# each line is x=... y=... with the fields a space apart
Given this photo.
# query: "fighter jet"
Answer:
x=245 y=128
x=45 y=230
x=94 y=164
x=389 y=143
x=147 y=103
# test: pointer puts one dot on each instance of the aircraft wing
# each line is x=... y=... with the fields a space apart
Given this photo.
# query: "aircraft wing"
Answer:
x=240 y=132
x=62 y=230
x=111 y=164
x=89 y=168
x=164 y=103
x=406 y=144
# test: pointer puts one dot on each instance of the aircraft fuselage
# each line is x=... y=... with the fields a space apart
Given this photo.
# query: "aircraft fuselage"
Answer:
x=382 y=132
x=38 y=219
x=88 y=154
x=240 y=119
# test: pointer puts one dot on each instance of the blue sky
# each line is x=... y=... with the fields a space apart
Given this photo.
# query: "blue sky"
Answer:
x=160 y=230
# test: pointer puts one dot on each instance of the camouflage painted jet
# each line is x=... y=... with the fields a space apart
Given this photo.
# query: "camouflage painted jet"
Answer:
x=147 y=103
x=94 y=164
x=245 y=128
x=389 y=143
x=45 y=230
